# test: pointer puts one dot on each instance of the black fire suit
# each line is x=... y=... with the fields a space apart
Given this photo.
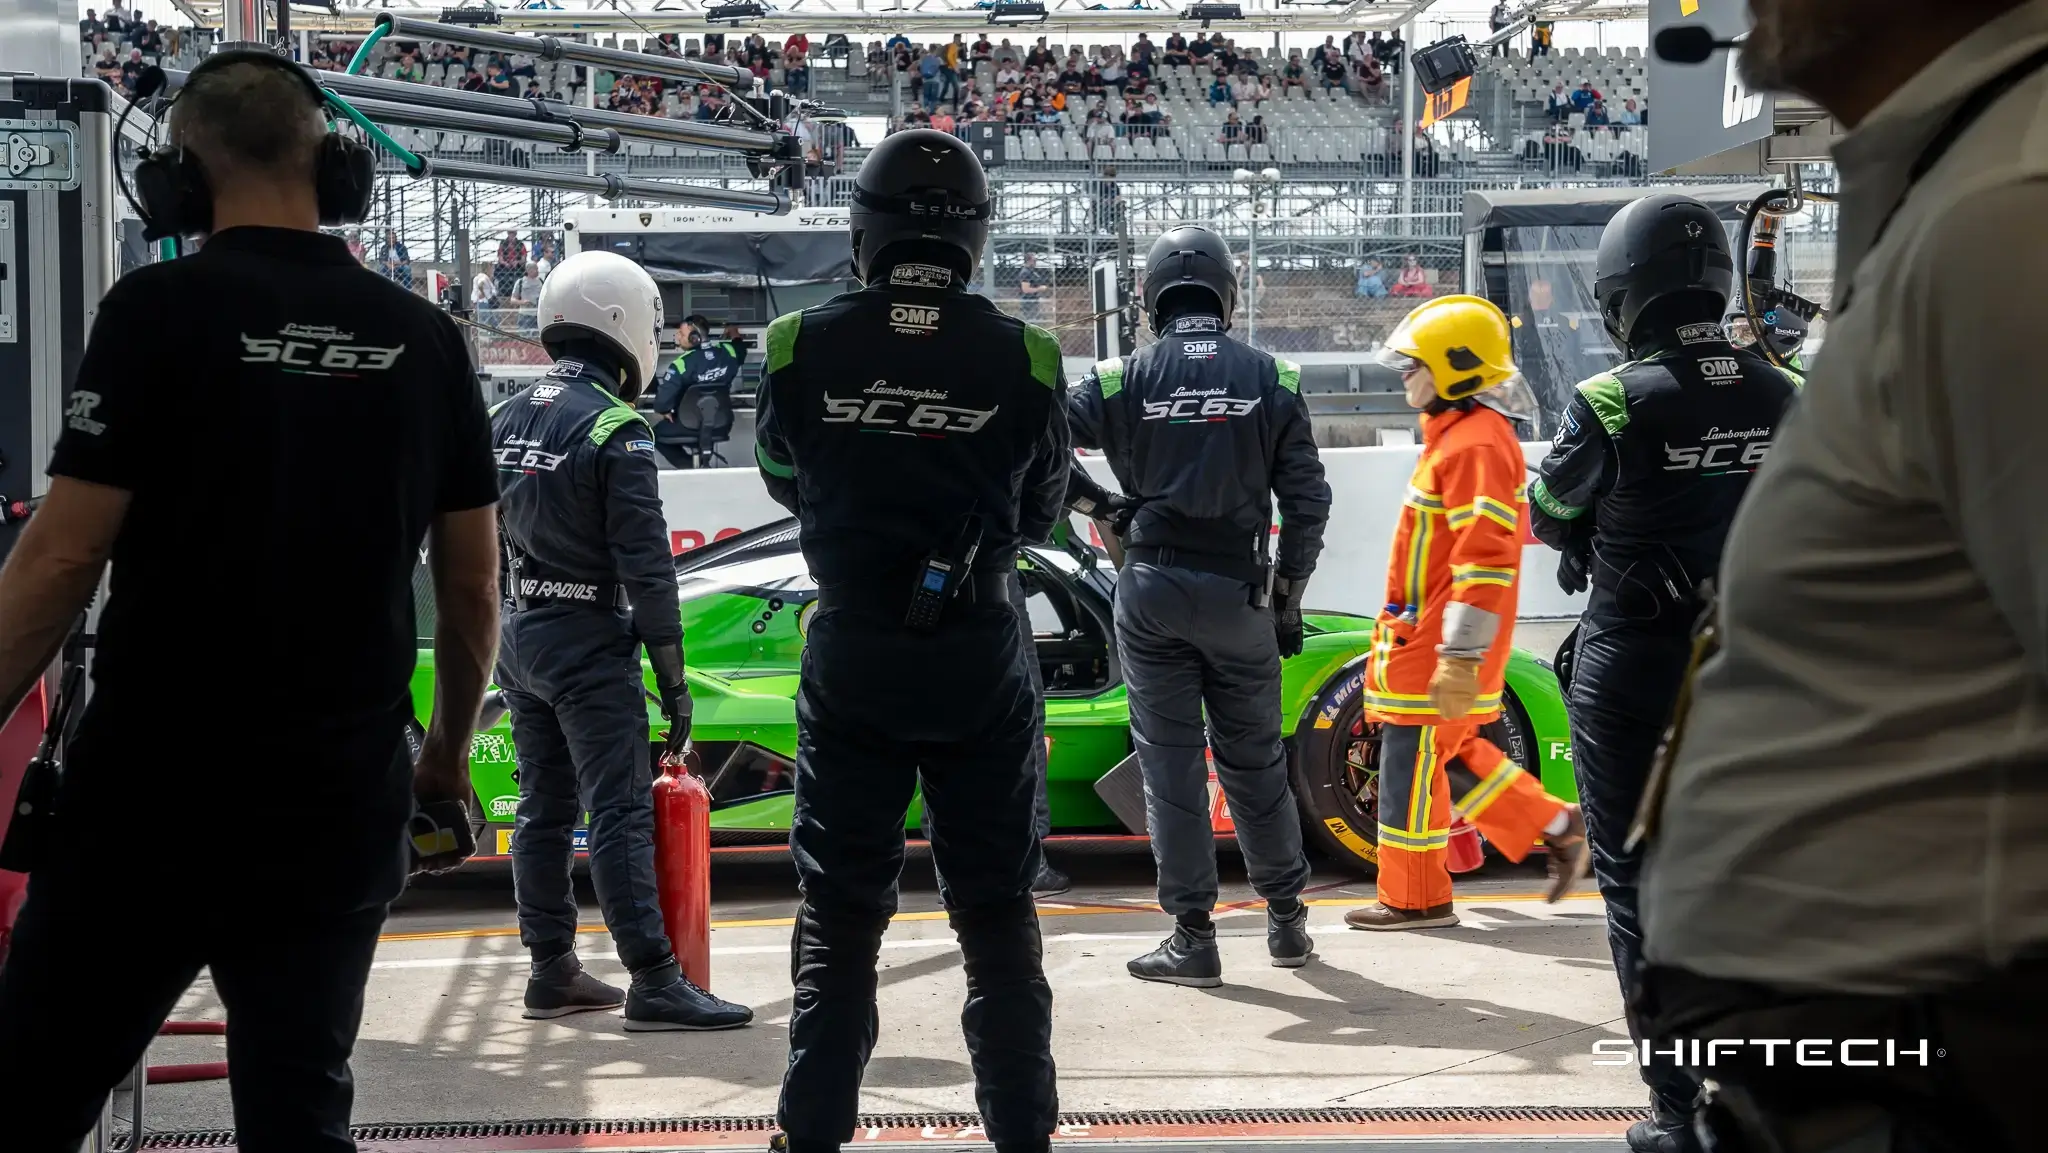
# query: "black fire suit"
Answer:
x=695 y=394
x=1206 y=432
x=890 y=418
x=1638 y=492
x=589 y=580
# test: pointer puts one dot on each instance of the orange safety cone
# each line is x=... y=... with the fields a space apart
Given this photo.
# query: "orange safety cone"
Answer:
x=1465 y=854
x=1220 y=822
x=682 y=863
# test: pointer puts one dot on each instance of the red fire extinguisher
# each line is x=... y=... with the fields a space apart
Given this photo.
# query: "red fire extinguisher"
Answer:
x=682 y=862
x=1465 y=854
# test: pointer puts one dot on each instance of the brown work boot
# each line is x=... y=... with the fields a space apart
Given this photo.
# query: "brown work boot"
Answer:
x=1570 y=855
x=1380 y=918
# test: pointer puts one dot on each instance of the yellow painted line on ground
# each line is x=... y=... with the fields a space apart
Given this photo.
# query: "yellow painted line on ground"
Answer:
x=940 y=915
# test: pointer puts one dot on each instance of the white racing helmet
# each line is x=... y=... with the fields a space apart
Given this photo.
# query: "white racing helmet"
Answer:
x=605 y=296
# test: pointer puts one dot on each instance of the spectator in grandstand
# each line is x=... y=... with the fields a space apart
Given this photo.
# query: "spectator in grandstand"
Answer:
x=1040 y=57
x=90 y=27
x=1377 y=45
x=1334 y=72
x=1596 y=114
x=1584 y=96
x=114 y=23
x=1143 y=50
x=1559 y=104
x=1255 y=132
x=1199 y=49
x=1244 y=89
x=150 y=40
x=409 y=69
x=1540 y=34
x=929 y=82
x=1370 y=286
x=496 y=82
x=1327 y=49
x=1034 y=289
x=942 y=120
x=1176 y=54
x=1497 y=20
x=1356 y=47
x=1007 y=51
x=796 y=72
x=1219 y=90
x=709 y=104
x=797 y=43
x=1397 y=51
x=981 y=49
x=131 y=68
x=1294 y=75
x=1629 y=113
x=1414 y=279
x=899 y=42
x=355 y=245
x=1098 y=130
x=1232 y=131
x=1007 y=76
x=952 y=58
x=1372 y=81
x=1115 y=73
x=761 y=68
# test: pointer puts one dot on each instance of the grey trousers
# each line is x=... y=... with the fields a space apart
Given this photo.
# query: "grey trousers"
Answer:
x=1191 y=641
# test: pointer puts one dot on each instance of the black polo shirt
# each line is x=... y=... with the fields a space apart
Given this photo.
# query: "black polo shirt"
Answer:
x=288 y=422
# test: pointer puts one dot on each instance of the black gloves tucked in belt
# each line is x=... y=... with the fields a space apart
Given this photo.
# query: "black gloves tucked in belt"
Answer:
x=1575 y=568
x=675 y=692
x=1287 y=614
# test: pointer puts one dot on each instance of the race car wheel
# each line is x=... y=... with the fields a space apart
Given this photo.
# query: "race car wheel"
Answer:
x=1336 y=770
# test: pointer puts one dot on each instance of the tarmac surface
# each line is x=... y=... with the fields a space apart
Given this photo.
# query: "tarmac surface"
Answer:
x=1499 y=1011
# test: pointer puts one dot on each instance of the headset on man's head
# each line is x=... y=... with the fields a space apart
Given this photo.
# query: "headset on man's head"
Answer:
x=174 y=199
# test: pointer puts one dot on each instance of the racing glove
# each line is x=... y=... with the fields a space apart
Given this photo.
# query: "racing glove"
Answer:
x=1575 y=570
x=1287 y=615
x=1098 y=503
x=1454 y=687
x=674 y=689
x=440 y=835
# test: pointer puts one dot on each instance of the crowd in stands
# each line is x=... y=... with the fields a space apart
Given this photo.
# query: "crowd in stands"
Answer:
x=1589 y=102
x=958 y=83
x=120 y=44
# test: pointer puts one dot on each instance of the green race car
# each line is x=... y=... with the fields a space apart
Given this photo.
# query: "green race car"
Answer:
x=744 y=600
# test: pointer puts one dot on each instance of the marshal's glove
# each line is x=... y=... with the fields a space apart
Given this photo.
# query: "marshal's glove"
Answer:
x=1454 y=688
x=1287 y=615
x=675 y=693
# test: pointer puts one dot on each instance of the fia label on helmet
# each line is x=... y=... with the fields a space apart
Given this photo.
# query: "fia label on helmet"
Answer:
x=1701 y=334
x=913 y=319
x=1197 y=324
x=921 y=276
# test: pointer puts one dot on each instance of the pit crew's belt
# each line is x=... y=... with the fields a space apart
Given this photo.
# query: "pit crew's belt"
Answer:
x=1241 y=568
x=888 y=598
x=532 y=586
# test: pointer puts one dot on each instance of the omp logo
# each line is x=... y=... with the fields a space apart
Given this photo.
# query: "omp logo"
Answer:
x=566 y=590
x=1720 y=369
x=1200 y=349
x=1738 y=104
x=543 y=393
x=79 y=415
x=1725 y=450
x=910 y=318
x=900 y=417
x=297 y=356
x=527 y=456
x=1189 y=405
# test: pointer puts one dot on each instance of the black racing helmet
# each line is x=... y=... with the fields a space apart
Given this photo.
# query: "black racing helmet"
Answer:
x=922 y=189
x=1657 y=247
x=1190 y=257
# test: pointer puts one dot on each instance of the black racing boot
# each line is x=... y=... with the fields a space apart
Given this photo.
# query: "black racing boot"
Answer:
x=1189 y=957
x=1663 y=1132
x=662 y=999
x=1050 y=881
x=558 y=986
x=1287 y=939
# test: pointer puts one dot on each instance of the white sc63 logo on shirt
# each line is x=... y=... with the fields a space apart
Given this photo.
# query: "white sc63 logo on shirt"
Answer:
x=931 y=419
x=1188 y=404
x=317 y=359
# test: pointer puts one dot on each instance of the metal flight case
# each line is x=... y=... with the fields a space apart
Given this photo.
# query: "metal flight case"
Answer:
x=56 y=260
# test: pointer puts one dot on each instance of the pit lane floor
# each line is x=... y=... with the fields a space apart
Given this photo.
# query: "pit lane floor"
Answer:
x=1499 y=1011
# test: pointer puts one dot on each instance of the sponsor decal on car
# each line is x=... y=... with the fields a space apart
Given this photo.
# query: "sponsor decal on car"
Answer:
x=491 y=748
x=1347 y=691
x=1366 y=850
x=504 y=806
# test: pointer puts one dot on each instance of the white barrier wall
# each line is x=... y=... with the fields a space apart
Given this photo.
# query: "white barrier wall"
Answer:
x=1367 y=485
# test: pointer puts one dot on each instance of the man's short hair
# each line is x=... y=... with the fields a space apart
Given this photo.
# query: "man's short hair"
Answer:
x=249 y=118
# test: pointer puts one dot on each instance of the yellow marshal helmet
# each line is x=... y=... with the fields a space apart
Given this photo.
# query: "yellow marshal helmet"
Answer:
x=1467 y=346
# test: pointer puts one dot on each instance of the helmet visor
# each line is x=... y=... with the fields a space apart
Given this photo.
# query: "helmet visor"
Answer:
x=1389 y=357
x=1512 y=398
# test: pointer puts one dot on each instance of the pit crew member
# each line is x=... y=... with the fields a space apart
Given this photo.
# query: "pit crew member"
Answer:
x=1638 y=491
x=920 y=437
x=589 y=584
x=693 y=404
x=1206 y=433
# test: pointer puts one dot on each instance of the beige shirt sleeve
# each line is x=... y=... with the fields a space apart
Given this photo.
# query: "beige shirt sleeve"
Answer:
x=1974 y=408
